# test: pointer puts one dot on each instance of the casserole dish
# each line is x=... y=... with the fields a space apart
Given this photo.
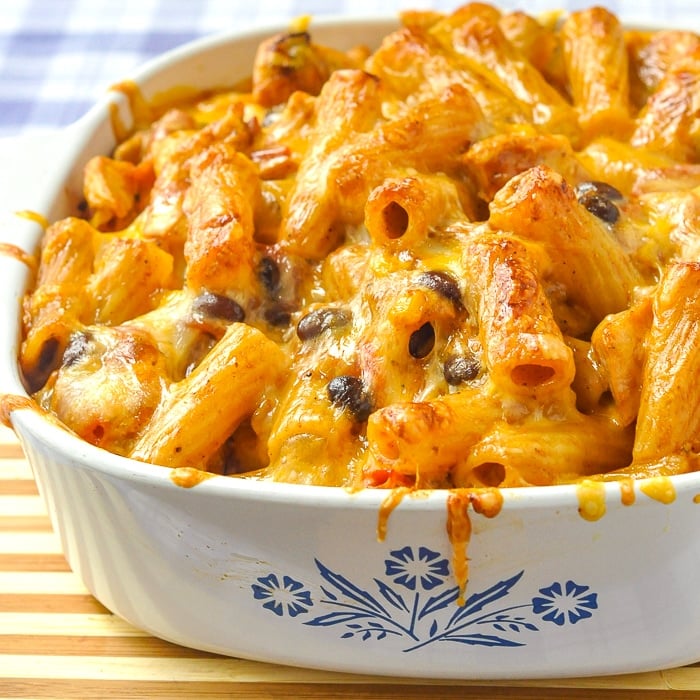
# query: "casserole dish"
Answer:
x=318 y=576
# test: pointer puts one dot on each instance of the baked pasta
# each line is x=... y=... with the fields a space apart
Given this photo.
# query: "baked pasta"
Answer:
x=468 y=257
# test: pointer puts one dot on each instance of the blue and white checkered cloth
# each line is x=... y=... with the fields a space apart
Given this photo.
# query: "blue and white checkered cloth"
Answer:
x=58 y=56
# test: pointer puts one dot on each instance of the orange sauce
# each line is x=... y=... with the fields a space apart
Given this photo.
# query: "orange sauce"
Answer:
x=34 y=216
x=660 y=488
x=627 y=496
x=188 y=477
x=696 y=498
x=459 y=530
x=591 y=500
x=10 y=403
x=387 y=508
x=487 y=502
x=13 y=251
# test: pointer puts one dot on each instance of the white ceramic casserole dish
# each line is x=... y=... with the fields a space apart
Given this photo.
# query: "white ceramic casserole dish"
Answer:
x=297 y=575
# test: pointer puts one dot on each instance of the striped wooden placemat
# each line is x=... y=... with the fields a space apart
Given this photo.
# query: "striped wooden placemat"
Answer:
x=57 y=641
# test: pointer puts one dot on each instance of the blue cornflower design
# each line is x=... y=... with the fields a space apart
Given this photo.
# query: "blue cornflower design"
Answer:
x=573 y=603
x=288 y=595
x=407 y=569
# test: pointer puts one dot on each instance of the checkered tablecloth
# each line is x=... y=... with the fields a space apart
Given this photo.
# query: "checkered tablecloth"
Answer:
x=58 y=56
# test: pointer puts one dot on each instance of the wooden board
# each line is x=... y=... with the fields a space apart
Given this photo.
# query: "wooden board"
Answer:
x=57 y=641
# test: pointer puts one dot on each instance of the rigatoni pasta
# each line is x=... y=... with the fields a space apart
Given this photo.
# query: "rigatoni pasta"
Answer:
x=524 y=349
x=467 y=257
x=595 y=56
x=671 y=367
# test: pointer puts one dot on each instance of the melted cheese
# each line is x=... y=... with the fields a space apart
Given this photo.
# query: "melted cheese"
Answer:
x=440 y=272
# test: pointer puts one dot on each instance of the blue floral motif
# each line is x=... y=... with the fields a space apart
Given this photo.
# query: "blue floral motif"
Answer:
x=416 y=601
x=573 y=603
x=289 y=594
x=406 y=569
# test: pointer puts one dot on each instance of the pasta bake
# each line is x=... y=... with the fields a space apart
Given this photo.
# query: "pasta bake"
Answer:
x=467 y=257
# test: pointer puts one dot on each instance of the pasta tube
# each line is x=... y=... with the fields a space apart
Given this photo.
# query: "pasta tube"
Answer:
x=54 y=316
x=109 y=383
x=348 y=103
x=669 y=413
x=594 y=269
x=524 y=348
x=401 y=212
x=173 y=155
x=618 y=343
x=481 y=40
x=67 y=252
x=219 y=205
x=407 y=324
x=414 y=65
x=425 y=440
x=128 y=278
x=653 y=54
x=669 y=122
x=430 y=137
x=545 y=452
x=535 y=39
x=114 y=189
x=494 y=160
x=634 y=170
x=202 y=410
x=595 y=56
x=59 y=301
x=289 y=62
x=313 y=434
